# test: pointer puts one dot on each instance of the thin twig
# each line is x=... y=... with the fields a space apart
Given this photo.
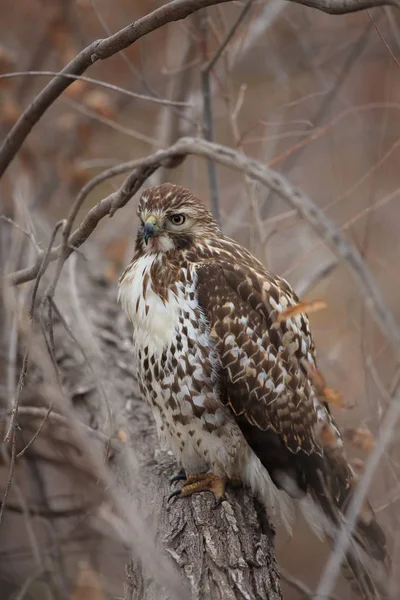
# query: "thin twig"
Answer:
x=98 y=50
x=169 y=122
x=211 y=63
x=392 y=24
x=84 y=327
x=104 y=84
x=343 y=539
x=307 y=284
x=388 y=48
x=12 y=427
x=37 y=432
x=51 y=513
x=24 y=589
x=207 y=99
x=28 y=234
x=52 y=591
x=343 y=7
x=11 y=468
x=298 y=585
x=47 y=328
x=54 y=557
x=37 y=412
x=137 y=73
x=208 y=120
x=24 y=368
x=92 y=114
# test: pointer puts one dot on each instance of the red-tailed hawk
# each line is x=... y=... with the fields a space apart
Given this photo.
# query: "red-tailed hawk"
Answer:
x=227 y=380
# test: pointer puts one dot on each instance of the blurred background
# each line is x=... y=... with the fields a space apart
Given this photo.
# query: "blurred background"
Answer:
x=316 y=97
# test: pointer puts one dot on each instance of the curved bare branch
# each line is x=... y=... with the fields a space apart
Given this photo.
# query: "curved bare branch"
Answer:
x=97 y=50
x=274 y=181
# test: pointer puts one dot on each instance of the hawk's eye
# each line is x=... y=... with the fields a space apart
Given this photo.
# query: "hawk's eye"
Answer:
x=178 y=219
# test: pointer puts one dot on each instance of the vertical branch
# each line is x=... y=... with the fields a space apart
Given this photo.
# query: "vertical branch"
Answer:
x=170 y=119
x=13 y=424
x=207 y=97
x=208 y=118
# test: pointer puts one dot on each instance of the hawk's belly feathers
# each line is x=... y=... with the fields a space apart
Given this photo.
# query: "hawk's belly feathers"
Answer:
x=177 y=366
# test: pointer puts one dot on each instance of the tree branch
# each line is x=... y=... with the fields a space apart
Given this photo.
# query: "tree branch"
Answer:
x=274 y=181
x=98 y=50
x=343 y=7
x=104 y=84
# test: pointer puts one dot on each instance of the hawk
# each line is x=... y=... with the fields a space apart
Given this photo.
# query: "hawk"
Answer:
x=229 y=382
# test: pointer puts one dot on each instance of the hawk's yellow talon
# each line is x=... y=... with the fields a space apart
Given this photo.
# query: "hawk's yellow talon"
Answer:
x=203 y=482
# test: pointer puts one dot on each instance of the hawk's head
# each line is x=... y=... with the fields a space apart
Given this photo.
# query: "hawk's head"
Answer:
x=172 y=218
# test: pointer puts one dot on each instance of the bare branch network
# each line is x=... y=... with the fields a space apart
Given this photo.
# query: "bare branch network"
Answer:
x=105 y=48
x=172 y=157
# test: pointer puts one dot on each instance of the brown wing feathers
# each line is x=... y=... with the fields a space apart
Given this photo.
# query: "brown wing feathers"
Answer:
x=261 y=381
x=273 y=399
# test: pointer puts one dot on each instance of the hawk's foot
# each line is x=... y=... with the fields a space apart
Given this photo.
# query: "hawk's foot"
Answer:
x=203 y=482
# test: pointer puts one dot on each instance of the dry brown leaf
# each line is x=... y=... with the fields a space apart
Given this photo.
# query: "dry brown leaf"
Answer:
x=316 y=377
x=88 y=584
x=100 y=102
x=361 y=438
x=330 y=395
x=333 y=397
x=301 y=307
x=328 y=437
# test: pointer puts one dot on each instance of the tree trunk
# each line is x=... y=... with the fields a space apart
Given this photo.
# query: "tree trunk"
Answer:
x=224 y=553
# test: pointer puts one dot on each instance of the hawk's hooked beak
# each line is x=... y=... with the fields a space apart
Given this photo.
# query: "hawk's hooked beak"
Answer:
x=150 y=228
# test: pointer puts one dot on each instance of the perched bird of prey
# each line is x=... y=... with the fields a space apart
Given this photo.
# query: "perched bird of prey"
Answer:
x=228 y=380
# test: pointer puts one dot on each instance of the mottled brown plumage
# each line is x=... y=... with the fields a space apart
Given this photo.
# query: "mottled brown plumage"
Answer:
x=227 y=380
